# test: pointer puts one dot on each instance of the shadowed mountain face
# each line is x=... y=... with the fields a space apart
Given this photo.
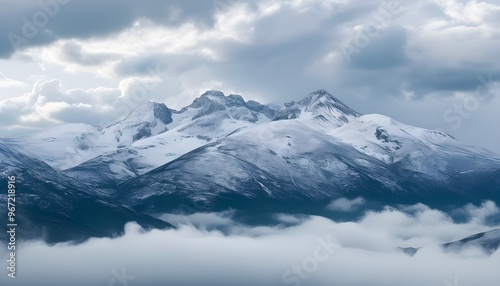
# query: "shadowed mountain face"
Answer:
x=59 y=208
x=321 y=106
x=222 y=152
x=488 y=241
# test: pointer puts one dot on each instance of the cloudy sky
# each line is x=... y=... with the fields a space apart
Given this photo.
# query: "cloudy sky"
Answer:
x=430 y=63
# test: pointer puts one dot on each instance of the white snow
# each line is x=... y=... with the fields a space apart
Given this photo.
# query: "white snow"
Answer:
x=325 y=125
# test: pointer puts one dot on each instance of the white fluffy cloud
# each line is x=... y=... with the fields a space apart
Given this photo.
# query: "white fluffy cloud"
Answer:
x=49 y=103
x=364 y=253
x=345 y=205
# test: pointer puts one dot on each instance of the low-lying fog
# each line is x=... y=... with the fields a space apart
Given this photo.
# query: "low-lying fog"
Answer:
x=302 y=251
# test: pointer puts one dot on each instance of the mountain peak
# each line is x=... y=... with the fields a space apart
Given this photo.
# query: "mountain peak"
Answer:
x=321 y=92
x=162 y=112
x=320 y=105
x=146 y=120
x=220 y=98
x=320 y=95
x=211 y=98
x=233 y=105
x=216 y=93
x=322 y=99
x=148 y=111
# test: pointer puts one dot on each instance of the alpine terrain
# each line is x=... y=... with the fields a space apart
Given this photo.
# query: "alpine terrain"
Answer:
x=222 y=152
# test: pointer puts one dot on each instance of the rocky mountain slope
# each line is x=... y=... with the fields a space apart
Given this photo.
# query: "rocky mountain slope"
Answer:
x=224 y=152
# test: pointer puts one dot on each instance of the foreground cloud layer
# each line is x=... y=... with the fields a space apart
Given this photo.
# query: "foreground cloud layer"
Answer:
x=314 y=251
x=396 y=57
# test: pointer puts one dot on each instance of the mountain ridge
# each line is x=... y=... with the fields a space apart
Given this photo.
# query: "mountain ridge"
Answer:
x=229 y=153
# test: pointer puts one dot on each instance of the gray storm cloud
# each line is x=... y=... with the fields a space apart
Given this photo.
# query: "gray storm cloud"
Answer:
x=407 y=58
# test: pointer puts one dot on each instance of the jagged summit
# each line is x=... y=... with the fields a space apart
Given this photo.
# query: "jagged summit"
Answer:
x=147 y=120
x=220 y=97
x=213 y=92
x=147 y=112
x=323 y=99
x=322 y=93
x=162 y=112
x=319 y=95
x=233 y=106
x=321 y=106
x=217 y=97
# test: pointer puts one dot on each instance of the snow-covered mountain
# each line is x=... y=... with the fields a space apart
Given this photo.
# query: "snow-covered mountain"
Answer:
x=63 y=146
x=489 y=241
x=230 y=153
x=319 y=149
x=209 y=118
x=148 y=137
x=292 y=160
x=148 y=120
x=58 y=208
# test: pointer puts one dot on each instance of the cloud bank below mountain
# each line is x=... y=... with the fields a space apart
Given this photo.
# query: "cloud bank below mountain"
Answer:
x=199 y=253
